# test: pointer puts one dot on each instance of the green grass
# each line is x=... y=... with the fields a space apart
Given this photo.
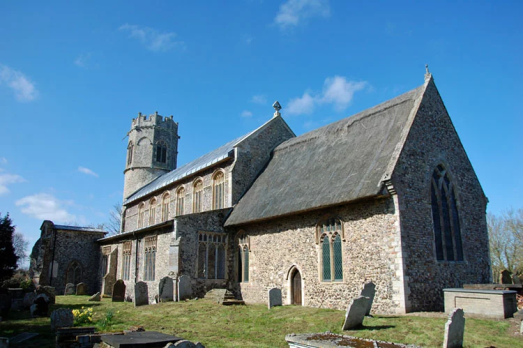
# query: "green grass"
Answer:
x=256 y=326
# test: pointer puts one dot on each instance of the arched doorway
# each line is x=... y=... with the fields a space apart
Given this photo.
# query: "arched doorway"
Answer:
x=296 y=298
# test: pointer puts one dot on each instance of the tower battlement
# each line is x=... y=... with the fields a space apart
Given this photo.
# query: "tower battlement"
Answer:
x=154 y=120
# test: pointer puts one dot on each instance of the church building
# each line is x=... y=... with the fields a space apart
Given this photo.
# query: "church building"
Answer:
x=387 y=196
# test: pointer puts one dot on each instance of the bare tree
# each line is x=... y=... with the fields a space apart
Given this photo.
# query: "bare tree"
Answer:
x=20 y=245
x=115 y=219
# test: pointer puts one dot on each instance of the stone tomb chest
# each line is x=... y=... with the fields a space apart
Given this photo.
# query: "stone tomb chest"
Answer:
x=498 y=304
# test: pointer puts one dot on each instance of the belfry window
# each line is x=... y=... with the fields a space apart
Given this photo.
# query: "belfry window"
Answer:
x=218 y=190
x=211 y=255
x=329 y=236
x=152 y=211
x=161 y=152
x=130 y=149
x=150 y=258
x=180 y=201
x=445 y=217
x=197 y=196
x=242 y=265
x=165 y=206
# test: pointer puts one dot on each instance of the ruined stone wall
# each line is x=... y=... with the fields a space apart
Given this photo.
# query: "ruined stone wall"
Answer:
x=131 y=213
x=369 y=254
x=433 y=140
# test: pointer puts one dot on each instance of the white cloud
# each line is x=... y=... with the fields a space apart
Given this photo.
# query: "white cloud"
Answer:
x=336 y=91
x=23 y=87
x=303 y=105
x=246 y=113
x=259 y=99
x=87 y=171
x=44 y=206
x=152 y=39
x=7 y=179
x=293 y=12
x=248 y=39
x=3 y=160
x=82 y=60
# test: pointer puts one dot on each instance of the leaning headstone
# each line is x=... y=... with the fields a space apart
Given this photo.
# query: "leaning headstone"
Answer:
x=504 y=277
x=184 y=288
x=62 y=317
x=141 y=296
x=355 y=313
x=454 y=329
x=118 y=291
x=369 y=290
x=28 y=299
x=274 y=298
x=96 y=297
x=69 y=289
x=81 y=289
x=166 y=289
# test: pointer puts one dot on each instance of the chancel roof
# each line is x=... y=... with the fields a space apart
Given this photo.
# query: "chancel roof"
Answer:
x=338 y=163
x=78 y=228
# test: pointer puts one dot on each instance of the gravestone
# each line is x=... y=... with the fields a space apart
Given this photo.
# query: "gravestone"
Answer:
x=40 y=306
x=275 y=298
x=96 y=297
x=69 y=289
x=49 y=291
x=355 y=313
x=81 y=289
x=184 y=288
x=454 y=329
x=504 y=277
x=62 y=317
x=118 y=291
x=166 y=289
x=141 y=296
x=369 y=290
x=28 y=299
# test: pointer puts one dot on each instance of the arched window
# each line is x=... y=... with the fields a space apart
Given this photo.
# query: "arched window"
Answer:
x=211 y=255
x=445 y=217
x=74 y=273
x=152 y=212
x=180 y=201
x=130 y=149
x=165 y=206
x=218 y=190
x=197 y=196
x=161 y=152
x=150 y=258
x=329 y=234
x=141 y=215
x=243 y=257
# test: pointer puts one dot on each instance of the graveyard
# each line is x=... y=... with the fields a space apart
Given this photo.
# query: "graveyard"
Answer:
x=216 y=325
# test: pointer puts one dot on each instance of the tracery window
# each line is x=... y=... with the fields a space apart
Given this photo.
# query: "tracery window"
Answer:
x=218 y=190
x=161 y=152
x=211 y=255
x=329 y=234
x=445 y=216
x=130 y=149
x=74 y=273
x=141 y=215
x=126 y=262
x=180 y=201
x=242 y=266
x=165 y=206
x=150 y=258
x=152 y=211
x=197 y=196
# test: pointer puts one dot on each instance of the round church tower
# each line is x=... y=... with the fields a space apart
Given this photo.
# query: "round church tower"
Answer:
x=152 y=150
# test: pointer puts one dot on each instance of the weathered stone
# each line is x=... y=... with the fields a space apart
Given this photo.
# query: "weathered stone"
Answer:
x=275 y=298
x=81 y=289
x=505 y=277
x=166 y=289
x=369 y=290
x=118 y=291
x=49 y=291
x=5 y=305
x=96 y=297
x=69 y=289
x=62 y=317
x=184 y=288
x=454 y=329
x=41 y=305
x=141 y=296
x=355 y=313
x=29 y=299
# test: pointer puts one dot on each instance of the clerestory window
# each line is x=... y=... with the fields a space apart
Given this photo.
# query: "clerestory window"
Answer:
x=152 y=212
x=197 y=196
x=445 y=217
x=165 y=206
x=180 y=201
x=218 y=190
x=141 y=215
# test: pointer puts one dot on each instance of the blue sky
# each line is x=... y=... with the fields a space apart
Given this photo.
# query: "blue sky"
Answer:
x=74 y=74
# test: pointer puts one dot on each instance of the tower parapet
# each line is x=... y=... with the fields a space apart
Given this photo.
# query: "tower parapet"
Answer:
x=152 y=150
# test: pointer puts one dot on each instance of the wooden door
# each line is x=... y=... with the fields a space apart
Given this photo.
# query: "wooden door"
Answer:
x=296 y=288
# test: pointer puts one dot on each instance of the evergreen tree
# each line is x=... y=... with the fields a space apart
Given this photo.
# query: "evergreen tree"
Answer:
x=8 y=258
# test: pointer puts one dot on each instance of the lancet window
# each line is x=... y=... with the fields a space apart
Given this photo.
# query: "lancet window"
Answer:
x=218 y=190
x=197 y=196
x=165 y=206
x=152 y=212
x=130 y=149
x=180 y=201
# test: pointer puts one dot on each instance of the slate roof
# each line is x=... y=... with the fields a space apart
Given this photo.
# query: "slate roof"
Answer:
x=78 y=228
x=338 y=163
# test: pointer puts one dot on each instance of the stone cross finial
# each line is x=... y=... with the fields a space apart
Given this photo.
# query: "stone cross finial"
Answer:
x=277 y=108
x=427 y=72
